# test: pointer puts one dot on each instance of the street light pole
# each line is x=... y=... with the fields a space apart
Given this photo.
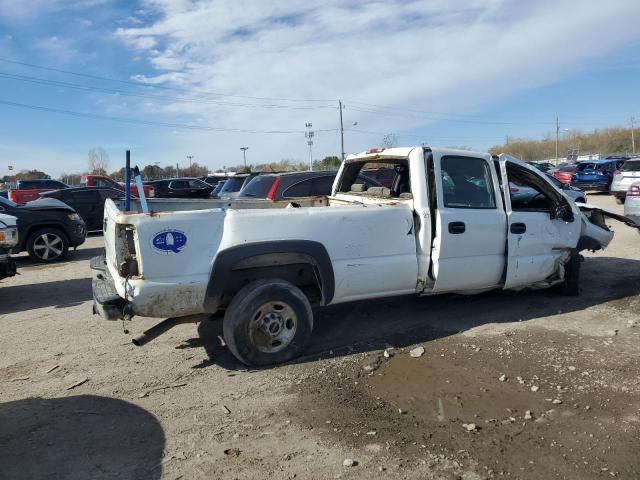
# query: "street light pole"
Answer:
x=557 y=138
x=633 y=140
x=190 y=157
x=244 y=155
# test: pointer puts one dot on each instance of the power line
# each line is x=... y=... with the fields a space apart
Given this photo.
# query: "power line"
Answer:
x=402 y=112
x=56 y=83
x=162 y=87
x=149 y=122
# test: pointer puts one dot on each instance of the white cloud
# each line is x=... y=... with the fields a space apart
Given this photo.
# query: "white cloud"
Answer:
x=435 y=56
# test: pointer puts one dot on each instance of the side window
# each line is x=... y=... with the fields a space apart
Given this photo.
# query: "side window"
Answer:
x=322 y=185
x=178 y=184
x=110 y=194
x=196 y=184
x=530 y=193
x=300 y=189
x=101 y=182
x=467 y=183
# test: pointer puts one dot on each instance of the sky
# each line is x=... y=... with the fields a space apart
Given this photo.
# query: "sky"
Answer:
x=171 y=78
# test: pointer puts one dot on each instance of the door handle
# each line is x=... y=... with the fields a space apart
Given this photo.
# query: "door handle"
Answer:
x=457 y=227
x=518 y=228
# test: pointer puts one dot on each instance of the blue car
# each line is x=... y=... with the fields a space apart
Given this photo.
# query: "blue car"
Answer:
x=595 y=175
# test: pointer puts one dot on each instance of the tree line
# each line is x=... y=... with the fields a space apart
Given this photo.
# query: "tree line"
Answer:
x=615 y=140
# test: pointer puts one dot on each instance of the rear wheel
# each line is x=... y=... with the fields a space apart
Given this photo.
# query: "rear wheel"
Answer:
x=47 y=245
x=620 y=201
x=267 y=322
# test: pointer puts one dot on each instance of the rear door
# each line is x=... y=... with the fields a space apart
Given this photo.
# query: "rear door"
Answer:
x=468 y=249
x=535 y=241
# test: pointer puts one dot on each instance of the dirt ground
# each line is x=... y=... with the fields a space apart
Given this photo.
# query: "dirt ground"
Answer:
x=511 y=385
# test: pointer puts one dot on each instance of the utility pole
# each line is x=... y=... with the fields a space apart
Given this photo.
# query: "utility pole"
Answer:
x=557 y=138
x=309 y=136
x=633 y=140
x=244 y=155
x=341 y=130
x=177 y=169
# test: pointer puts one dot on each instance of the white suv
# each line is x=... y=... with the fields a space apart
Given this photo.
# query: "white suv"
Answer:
x=628 y=173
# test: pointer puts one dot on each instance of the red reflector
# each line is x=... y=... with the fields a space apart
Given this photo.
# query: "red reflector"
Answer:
x=273 y=190
x=514 y=189
x=634 y=191
x=375 y=150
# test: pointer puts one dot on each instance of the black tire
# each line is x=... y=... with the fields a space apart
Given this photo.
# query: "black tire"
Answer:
x=47 y=245
x=581 y=200
x=571 y=284
x=268 y=305
x=620 y=201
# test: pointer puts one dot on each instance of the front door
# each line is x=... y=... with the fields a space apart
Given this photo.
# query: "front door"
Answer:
x=537 y=237
x=468 y=249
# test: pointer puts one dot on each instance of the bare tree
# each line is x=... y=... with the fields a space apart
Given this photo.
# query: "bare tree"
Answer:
x=98 y=160
x=389 y=141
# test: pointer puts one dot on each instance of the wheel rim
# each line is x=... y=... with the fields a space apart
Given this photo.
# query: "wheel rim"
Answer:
x=273 y=326
x=48 y=246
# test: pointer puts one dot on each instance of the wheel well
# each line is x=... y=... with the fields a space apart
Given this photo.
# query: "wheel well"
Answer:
x=302 y=275
x=303 y=263
x=33 y=228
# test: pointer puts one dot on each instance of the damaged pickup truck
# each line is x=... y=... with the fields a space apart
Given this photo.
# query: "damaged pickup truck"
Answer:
x=449 y=223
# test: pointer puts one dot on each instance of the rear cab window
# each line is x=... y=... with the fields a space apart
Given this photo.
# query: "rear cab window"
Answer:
x=355 y=179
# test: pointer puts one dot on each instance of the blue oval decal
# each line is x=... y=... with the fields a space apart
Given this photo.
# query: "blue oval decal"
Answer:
x=169 y=241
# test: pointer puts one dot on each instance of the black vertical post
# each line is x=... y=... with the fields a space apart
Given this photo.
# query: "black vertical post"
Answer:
x=127 y=182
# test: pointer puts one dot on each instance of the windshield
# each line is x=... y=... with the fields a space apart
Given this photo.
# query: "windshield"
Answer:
x=258 y=187
x=7 y=202
x=233 y=184
x=631 y=166
x=588 y=166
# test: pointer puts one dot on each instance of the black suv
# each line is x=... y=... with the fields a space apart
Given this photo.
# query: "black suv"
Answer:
x=295 y=185
x=46 y=228
x=181 y=188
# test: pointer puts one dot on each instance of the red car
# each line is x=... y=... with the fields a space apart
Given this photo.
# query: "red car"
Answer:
x=564 y=173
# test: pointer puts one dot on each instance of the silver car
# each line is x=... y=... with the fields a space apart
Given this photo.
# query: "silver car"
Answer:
x=628 y=173
x=632 y=203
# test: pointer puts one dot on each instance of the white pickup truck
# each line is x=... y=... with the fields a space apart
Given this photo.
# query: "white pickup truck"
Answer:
x=449 y=223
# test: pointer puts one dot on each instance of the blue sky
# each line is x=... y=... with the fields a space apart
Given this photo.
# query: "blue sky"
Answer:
x=219 y=75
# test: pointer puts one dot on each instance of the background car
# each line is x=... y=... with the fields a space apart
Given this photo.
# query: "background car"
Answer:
x=564 y=172
x=216 y=190
x=88 y=202
x=280 y=186
x=46 y=228
x=27 y=190
x=181 y=188
x=542 y=166
x=632 y=203
x=628 y=173
x=574 y=193
x=233 y=185
x=595 y=175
